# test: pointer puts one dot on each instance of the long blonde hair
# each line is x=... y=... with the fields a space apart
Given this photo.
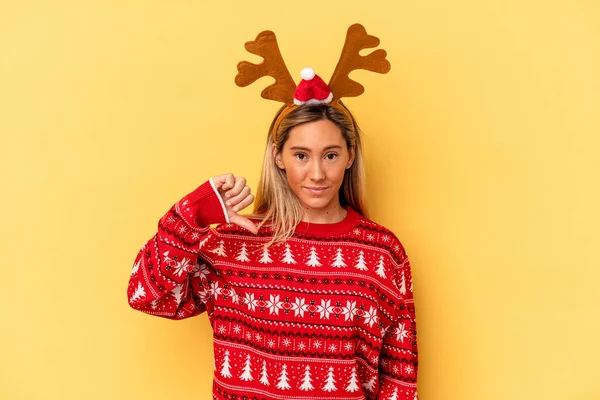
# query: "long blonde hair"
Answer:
x=275 y=201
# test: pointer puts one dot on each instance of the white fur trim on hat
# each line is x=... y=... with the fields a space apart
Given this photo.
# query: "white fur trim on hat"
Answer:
x=314 y=101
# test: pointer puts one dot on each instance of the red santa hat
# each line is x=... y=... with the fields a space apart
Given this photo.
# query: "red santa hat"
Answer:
x=312 y=89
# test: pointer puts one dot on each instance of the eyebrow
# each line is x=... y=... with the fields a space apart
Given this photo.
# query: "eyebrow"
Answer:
x=308 y=150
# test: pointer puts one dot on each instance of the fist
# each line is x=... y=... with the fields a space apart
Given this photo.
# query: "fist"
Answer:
x=236 y=196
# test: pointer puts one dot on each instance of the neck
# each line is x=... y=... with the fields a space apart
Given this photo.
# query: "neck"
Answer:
x=330 y=215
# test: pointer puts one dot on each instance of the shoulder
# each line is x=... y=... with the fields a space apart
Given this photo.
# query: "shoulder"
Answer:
x=374 y=234
x=392 y=265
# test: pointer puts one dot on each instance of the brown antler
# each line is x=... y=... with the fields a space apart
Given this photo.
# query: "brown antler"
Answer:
x=273 y=65
x=356 y=40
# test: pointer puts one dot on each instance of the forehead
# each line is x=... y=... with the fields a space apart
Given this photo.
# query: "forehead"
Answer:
x=315 y=135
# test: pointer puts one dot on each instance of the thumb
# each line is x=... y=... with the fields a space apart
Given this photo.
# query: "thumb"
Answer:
x=244 y=223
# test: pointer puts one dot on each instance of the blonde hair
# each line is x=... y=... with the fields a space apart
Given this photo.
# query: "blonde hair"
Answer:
x=275 y=201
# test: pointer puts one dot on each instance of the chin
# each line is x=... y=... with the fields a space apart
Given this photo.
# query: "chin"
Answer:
x=315 y=203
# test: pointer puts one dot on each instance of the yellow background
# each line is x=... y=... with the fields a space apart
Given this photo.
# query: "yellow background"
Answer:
x=482 y=152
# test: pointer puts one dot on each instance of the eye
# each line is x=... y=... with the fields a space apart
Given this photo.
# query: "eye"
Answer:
x=300 y=156
x=331 y=156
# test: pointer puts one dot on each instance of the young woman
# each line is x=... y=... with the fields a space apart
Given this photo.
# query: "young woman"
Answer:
x=307 y=297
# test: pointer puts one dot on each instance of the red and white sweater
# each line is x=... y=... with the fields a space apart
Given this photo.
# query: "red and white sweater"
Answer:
x=328 y=314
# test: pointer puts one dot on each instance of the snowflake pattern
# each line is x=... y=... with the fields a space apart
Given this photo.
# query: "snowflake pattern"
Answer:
x=182 y=266
x=325 y=308
x=214 y=290
x=401 y=333
x=326 y=297
x=250 y=301
x=350 y=310
x=299 y=307
x=371 y=316
x=274 y=305
x=201 y=271
x=235 y=297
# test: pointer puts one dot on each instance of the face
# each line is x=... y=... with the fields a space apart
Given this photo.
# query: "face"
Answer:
x=315 y=157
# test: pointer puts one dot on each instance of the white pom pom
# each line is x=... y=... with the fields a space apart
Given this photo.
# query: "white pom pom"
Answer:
x=307 y=74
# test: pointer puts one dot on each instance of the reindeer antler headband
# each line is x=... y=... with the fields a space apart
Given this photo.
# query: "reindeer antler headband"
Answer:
x=312 y=89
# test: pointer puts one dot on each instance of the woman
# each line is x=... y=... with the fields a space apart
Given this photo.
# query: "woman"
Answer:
x=307 y=297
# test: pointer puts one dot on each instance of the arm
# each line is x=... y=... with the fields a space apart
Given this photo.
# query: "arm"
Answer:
x=398 y=360
x=166 y=271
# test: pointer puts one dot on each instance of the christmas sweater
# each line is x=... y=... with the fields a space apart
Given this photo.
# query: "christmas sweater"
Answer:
x=327 y=314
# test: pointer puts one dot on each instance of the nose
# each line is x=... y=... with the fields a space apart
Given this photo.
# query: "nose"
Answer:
x=317 y=172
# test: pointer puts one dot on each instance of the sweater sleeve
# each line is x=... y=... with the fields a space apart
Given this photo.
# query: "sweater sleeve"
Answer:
x=168 y=278
x=398 y=360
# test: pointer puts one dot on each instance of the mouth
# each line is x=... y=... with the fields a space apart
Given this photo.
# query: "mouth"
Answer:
x=316 y=189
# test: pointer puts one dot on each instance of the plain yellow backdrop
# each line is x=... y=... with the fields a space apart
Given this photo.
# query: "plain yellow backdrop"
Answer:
x=482 y=153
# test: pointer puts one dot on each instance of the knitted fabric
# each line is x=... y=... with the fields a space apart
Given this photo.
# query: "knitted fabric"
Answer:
x=328 y=314
x=312 y=91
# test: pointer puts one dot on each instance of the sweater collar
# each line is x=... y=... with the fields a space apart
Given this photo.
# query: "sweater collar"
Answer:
x=335 y=229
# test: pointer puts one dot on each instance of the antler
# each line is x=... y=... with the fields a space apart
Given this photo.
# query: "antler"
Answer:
x=356 y=40
x=273 y=65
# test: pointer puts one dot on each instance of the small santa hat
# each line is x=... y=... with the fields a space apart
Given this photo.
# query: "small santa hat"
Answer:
x=312 y=89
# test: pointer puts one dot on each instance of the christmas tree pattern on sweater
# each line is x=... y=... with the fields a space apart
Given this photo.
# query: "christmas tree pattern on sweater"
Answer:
x=324 y=315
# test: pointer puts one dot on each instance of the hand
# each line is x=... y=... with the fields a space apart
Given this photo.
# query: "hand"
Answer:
x=236 y=196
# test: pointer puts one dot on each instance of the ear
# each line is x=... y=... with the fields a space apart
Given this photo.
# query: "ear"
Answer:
x=352 y=154
x=277 y=157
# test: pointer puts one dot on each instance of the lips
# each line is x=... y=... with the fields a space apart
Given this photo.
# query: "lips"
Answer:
x=316 y=190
